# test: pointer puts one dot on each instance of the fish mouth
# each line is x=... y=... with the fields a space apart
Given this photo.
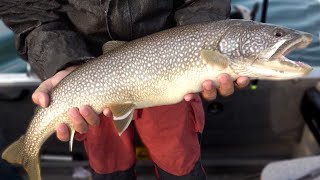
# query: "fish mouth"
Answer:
x=273 y=64
x=279 y=61
x=289 y=46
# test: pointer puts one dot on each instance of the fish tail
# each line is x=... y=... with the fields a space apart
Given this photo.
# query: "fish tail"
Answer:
x=33 y=169
x=14 y=155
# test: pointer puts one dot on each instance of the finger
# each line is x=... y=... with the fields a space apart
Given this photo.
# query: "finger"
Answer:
x=226 y=85
x=63 y=133
x=89 y=115
x=60 y=75
x=40 y=95
x=209 y=92
x=107 y=112
x=79 y=124
x=41 y=99
x=189 y=97
x=71 y=68
x=242 y=82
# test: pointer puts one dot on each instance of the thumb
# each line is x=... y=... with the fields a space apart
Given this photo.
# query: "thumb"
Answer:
x=41 y=94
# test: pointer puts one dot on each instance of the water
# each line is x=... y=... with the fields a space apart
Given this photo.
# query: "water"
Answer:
x=10 y=62
x=297 y=14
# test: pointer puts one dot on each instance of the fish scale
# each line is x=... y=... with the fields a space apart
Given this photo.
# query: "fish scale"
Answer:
x=160 y=69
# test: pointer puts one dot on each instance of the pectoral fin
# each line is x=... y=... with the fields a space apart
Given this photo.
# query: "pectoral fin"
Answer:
x=214 y=59
x=122 y=125
x=121 y=111
x=111 y=45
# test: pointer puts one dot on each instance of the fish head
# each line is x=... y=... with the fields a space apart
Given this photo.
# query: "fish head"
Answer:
x=258 y=50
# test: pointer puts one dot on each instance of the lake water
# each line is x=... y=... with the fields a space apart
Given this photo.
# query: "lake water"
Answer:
x=9 y=60
x=297 y=14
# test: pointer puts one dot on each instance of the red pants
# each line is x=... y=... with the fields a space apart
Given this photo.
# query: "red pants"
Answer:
x=170 y=133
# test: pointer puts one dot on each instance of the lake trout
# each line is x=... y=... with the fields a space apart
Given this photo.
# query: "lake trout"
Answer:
x=160 y=69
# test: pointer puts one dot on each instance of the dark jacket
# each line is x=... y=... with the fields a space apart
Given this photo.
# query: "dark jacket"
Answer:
x=54 y=34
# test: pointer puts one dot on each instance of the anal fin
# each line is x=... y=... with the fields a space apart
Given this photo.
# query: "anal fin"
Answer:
x=72 y=132
x=122 y=115
x=122 y=125
x=121 y=111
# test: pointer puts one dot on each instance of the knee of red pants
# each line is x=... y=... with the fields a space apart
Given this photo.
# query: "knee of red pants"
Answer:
x=106 y=150
x=171 y=136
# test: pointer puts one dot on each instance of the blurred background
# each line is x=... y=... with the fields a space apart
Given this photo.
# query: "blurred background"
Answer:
x=266 y=122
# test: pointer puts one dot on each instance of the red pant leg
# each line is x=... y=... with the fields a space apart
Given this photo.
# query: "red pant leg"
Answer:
x=107 y=151
x=170 y=134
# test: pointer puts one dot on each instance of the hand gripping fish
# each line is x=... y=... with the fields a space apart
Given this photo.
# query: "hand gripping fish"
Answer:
x=160 y=69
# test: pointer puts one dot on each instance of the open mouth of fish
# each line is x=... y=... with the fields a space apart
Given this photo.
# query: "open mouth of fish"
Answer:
x=279 y=61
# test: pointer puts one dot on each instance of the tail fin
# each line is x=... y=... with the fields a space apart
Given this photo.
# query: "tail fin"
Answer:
x=33 y=169
x=14 y=155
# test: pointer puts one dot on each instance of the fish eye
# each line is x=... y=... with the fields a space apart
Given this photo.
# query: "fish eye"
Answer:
x=278 y=33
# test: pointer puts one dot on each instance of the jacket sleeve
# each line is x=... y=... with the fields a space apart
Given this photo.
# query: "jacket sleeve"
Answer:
x=43 y=35
x=195 y=11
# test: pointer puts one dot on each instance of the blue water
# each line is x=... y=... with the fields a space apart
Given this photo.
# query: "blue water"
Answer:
x=303 y=15
x=10 y=62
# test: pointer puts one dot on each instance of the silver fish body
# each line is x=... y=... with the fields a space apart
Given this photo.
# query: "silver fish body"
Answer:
x=160 y=69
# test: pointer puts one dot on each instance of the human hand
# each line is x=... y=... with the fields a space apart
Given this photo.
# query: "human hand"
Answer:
x=80 y=117
x=209 y=92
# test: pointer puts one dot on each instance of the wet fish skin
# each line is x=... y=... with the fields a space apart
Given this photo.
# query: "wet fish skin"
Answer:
x=160 y=69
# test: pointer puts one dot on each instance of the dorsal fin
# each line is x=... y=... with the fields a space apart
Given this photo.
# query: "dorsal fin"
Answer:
x=111 y=45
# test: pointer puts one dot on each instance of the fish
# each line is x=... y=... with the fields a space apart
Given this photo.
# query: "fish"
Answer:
x=160 y=69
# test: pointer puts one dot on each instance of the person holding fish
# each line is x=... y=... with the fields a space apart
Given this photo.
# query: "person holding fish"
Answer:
x=55 y=37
